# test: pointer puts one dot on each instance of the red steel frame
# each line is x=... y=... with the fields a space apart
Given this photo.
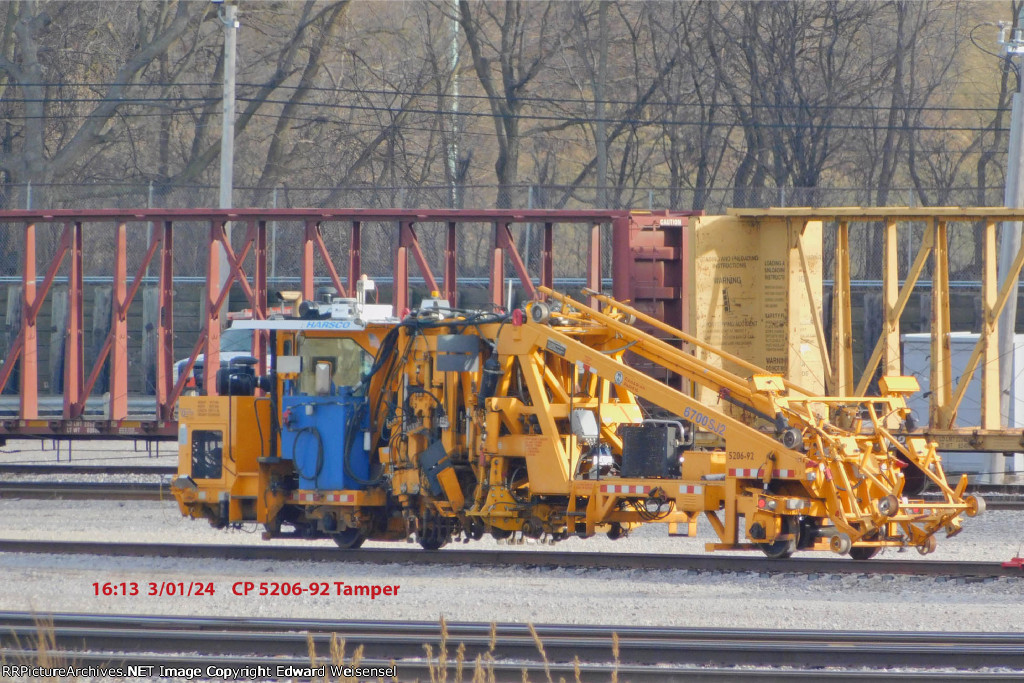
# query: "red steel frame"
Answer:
x=162 y=424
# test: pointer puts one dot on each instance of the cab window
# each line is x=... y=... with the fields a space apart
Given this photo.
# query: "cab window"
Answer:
x=347 y=358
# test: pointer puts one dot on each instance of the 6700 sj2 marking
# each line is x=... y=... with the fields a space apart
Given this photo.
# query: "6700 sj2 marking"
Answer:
x=708 y=423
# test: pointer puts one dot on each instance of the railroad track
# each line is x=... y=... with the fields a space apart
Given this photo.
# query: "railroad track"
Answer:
x=155 y=491
x=81 y=470
x=1008 y=491
x=643 y=653
x=810 y=566
x=85 y=490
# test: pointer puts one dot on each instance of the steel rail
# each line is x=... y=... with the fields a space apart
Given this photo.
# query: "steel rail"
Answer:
x=511 y=643
x=524 y=558
x=84 y=490
x=374 y=627
x=1010 y=491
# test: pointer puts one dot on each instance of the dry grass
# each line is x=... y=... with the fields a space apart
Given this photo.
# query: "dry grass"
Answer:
x=46 y=654
x=481 y=670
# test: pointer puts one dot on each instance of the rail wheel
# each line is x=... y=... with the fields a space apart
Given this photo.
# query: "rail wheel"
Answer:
x=540 y=312
x=432 y=542
x=809 y=530
x=840 y=544
x=865 y=552
x=888 y=506
x=435 y=531
x=793 y=439
x=349 y=539
x=975 y=505
x=615 y=531
x=915 y=480
x=533 y=528
x=476 y=528
x=927 y=546
x=783 y=548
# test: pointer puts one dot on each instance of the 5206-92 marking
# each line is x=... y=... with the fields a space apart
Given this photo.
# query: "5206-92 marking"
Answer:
x=708 y=423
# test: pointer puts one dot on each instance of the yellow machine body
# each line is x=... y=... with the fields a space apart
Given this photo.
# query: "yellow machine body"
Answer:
x=220 y=440
x=535 y=426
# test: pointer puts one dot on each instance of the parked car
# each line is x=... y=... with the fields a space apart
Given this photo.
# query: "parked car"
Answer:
x=234 y=342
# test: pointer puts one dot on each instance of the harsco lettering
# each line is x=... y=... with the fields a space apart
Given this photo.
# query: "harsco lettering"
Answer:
x=329 y=325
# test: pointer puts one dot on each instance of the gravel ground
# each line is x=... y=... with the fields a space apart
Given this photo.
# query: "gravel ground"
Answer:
x=51 y=583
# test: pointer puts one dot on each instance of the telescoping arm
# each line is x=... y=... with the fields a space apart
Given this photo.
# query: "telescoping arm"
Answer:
x=799 y=454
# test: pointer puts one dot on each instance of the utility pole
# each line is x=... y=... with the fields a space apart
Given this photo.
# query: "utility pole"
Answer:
x=1010 y=232
x=453 y=144
x=600 y=124
x=228 y=15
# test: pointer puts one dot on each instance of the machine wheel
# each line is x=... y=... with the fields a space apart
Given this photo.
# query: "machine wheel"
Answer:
x=499 y=534
x=540 y=312
x=476 y=529
x=865 y=552
x=349 y=539
x=433 y=531
x=793 y=439
x=809 y=530
x=928 y=547
x=615 y=531
x=976 y=505
x=533 y=528
x=781 y=549
x=888 y=506
x=840 y=544
x=432 y=543
x=915 y=481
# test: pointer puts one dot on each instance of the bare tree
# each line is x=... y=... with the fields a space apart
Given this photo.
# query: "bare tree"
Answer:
x=994 y=137
x=695 y=122
x=510 y=43
x=616 y=96
x=623 y=139
x=289 y=142
x=66 y=112
x=792 y=72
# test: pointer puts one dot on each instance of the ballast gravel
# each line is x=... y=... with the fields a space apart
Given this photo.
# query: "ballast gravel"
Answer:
x=56 y=583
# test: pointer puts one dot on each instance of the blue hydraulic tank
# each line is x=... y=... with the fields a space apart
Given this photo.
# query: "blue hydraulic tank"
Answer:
x=313 y=431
